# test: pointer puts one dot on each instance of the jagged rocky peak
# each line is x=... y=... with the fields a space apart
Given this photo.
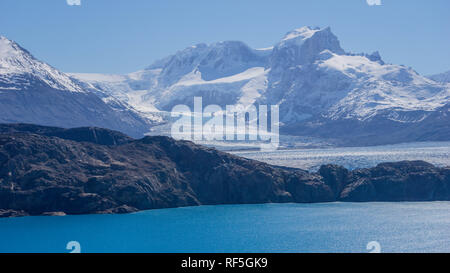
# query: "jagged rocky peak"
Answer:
x=181 y=63
x=213 y=61
x=374 y=57
x=304 y=45
x=229 y=58
x=303 y=32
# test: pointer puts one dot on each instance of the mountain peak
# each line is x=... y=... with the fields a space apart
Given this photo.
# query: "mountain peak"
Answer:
x=302 y=33
x=303 y=46
x=8 y=48
x=315 y=37
x=20 y=67
x=3 y=38
x=213 y=61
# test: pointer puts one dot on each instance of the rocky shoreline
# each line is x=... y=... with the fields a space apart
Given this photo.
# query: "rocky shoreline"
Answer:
x=55 y=171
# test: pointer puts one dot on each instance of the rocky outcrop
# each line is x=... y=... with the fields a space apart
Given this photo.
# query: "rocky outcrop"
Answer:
x=401 y=181
x=53 y=171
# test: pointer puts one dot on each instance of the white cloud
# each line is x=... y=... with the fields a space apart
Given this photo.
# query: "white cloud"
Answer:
x=74 y=2
x=374 y=2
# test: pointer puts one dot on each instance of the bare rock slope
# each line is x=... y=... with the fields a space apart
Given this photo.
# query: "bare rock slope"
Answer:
x=46 y=170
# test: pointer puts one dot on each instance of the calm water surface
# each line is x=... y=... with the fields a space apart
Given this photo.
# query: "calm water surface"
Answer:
x=334 y=227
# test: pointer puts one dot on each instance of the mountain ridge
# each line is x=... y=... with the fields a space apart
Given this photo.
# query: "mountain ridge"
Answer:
x=314 y=81
x=45 y=173
x=442 y=77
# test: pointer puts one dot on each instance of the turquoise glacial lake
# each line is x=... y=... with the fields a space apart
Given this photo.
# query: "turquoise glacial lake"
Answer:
x=293 y=228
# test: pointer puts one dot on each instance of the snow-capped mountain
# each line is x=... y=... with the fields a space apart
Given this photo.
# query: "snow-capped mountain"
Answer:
x=443 y=77
x=321 y=89
x=313 y=77
x=32 y=91
x=223 y=73
x=19 y=70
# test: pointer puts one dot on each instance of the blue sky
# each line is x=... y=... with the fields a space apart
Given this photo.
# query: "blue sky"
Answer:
x=118 y=36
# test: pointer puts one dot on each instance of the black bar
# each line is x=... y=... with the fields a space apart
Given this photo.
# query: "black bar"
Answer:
x=232 y=262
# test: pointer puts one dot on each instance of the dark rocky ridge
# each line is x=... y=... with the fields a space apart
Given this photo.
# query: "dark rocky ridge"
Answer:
x=84 y=134
x=47 y=171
